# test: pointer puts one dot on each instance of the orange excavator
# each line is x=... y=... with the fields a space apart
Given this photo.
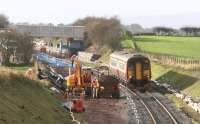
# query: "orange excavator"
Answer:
x=75 y=83
x=75 y=80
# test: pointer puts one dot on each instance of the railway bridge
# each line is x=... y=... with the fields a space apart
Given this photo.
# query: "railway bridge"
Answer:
x=75 y=32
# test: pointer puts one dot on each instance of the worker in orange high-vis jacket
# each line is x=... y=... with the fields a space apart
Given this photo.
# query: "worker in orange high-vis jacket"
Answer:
x=95 y=88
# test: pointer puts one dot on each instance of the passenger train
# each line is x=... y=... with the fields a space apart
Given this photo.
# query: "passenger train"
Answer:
x=133 y=68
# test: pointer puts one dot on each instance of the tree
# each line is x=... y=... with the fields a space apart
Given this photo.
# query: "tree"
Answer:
x=163 y=30
x=102 y=31
x=11 y=42
x=25 y=47
x=7 y=43
x=190 y=30
x=128 y=34
x=3 y=21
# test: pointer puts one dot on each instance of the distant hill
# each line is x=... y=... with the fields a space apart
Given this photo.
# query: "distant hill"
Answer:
x=23 y=101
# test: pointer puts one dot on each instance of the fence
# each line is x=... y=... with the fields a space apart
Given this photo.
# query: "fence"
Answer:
x=177 y=61
x=185 y=63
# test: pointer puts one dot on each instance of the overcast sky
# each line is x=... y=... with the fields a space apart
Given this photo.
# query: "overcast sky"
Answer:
x=148 y=13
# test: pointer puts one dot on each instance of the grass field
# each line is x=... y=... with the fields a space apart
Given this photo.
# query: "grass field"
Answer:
x=127 y=44
x=179 y=46
x=24 y=101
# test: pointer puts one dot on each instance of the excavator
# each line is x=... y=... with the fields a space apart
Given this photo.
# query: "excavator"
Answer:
x=73 y=86
x=75 y=80
x=76 y=84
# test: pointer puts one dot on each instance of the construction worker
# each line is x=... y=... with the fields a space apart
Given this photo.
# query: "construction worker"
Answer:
x=29 y=73
x=95 y=88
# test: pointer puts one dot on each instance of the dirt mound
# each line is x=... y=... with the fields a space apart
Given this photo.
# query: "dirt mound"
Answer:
x=110 y=85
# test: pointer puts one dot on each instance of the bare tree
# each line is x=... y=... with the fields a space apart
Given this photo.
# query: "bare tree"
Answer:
x=102 y=31
x=11 y=42
x=25 y=47
x=7 y=41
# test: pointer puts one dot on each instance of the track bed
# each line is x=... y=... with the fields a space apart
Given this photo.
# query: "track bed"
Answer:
x=104 y=111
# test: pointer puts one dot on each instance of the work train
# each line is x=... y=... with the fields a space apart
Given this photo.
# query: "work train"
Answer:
x=133 y=68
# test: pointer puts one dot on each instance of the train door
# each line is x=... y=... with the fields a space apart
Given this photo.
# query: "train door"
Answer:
x=138 y=69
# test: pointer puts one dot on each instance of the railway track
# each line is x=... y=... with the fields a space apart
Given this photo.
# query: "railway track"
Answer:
x=146 y=116
x=157 y=112
x=171 y=117
x=160 y=112
x=152 y=111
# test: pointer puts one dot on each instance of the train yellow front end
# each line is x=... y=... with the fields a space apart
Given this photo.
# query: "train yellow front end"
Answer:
x=134 y=68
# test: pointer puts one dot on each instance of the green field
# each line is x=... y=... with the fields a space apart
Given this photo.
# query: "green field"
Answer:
x=24 y=101
x=179 y=46
x=127 y=43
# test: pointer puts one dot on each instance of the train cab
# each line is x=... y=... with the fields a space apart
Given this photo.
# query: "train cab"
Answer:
x=138 y=70
x=134 y=68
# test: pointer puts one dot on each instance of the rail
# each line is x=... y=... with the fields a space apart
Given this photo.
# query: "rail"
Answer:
x=148 y=110
x=164 y=108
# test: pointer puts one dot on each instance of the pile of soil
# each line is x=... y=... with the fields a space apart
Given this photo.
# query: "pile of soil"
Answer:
x=110 y=85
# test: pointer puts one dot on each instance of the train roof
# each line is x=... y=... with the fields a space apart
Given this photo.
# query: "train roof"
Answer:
x=122 y=55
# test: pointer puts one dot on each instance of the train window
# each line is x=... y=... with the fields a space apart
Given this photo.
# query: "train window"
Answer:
x=131 y=67
x=113 y=62
x=146 y=65
x=121 y=66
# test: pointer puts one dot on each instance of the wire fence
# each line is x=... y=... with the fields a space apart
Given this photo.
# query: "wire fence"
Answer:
x=186 y=63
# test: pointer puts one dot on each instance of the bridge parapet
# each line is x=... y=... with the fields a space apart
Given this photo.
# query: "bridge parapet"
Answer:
x=76 y=32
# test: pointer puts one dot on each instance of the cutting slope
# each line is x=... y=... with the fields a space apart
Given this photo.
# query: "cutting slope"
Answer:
x=23 y=101
x=187 y=81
